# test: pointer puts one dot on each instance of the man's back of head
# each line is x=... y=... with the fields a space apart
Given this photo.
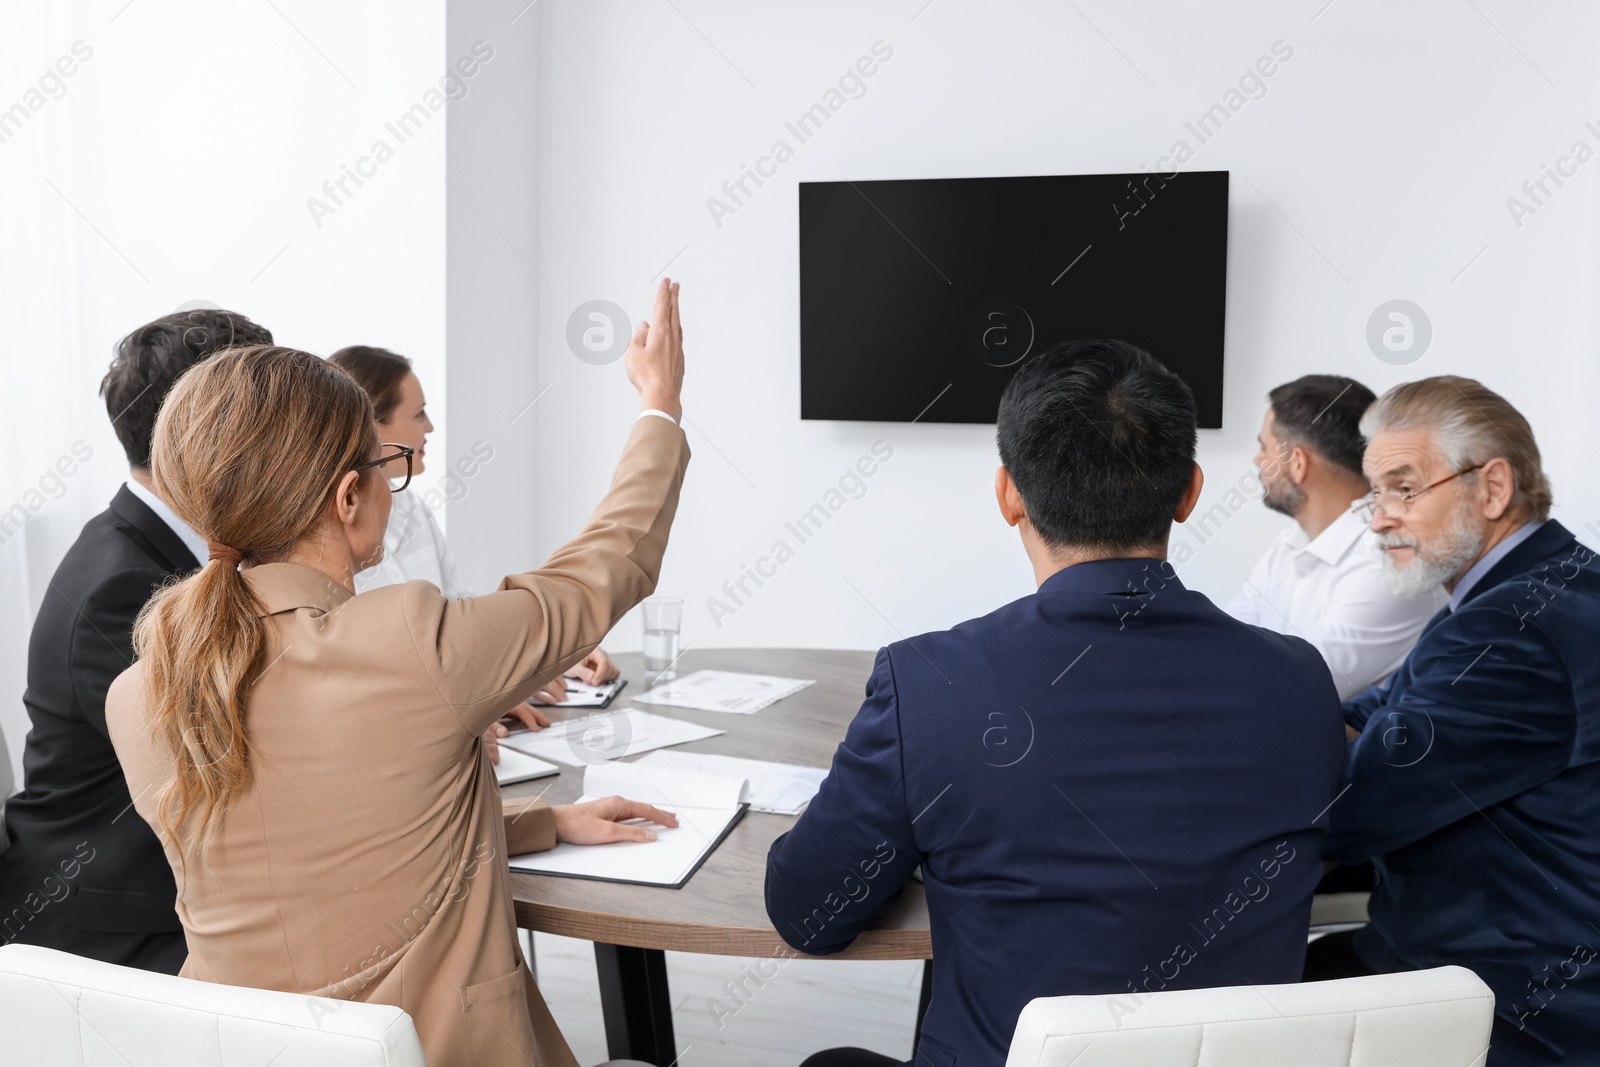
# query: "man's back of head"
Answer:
x=151 y=359
x=1099 y=439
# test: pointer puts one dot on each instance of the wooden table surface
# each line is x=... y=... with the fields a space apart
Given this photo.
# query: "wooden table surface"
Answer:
x=720 y=909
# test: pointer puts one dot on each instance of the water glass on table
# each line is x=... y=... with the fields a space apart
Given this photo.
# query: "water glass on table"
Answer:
x=663 y=617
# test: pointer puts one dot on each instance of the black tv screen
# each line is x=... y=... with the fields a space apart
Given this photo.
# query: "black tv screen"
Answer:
x=920 y=298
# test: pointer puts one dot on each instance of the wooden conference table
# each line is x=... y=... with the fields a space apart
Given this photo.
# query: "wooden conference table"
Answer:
x=721 y=909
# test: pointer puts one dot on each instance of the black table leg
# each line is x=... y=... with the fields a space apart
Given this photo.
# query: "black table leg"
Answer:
x=922 y=1004
x=636 y=1004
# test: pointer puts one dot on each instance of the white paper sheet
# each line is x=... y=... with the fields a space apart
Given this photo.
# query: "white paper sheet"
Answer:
x=728 y=691
x=779 y=788
x=605 y=736
x=675 y=853
x=516 y=767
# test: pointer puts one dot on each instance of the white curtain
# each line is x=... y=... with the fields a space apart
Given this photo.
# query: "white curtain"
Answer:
x=48 y=376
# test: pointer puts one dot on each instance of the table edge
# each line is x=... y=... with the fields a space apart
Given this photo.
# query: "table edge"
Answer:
x=675 y=935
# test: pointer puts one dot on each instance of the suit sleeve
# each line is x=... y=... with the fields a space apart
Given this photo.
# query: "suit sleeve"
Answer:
x=486 y=654
x=850 y=854
x=1488 y=715
x=1359 y=708
x=530 y=825
x=102 y=638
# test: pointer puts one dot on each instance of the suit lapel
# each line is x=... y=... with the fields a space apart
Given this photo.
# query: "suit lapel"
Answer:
x=153 y=534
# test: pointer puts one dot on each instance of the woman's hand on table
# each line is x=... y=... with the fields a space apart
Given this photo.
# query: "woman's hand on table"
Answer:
x=600 y=822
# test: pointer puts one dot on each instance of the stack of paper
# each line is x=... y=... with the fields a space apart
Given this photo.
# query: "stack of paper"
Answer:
x=707 y=807
x=605 y=736
x=780 y=788
x=723 y=691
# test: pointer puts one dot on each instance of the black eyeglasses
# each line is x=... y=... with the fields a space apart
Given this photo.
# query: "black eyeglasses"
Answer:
x=389 y=454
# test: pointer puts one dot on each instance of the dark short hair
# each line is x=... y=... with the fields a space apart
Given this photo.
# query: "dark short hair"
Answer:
x=1099 y=438
x=151 y=359
x=378 y=371
x=1323 y=412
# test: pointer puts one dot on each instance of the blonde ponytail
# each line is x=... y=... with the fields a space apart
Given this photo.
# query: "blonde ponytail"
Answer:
x=248 y=450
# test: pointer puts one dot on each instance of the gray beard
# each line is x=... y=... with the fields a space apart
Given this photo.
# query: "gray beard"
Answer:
x=1430 y=569
x=1286 y=499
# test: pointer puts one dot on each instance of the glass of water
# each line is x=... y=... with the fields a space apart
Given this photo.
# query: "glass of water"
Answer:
x=663 y=617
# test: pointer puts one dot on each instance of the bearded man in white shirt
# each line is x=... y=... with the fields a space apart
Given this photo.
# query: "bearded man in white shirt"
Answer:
x=1322 y=579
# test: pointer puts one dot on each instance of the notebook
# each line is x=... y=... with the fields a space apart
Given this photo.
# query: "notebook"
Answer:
x=707 y=805
x=779 y=788
x=517 y=766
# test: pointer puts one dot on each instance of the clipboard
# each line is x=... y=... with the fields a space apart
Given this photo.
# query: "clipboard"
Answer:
x=593 y=697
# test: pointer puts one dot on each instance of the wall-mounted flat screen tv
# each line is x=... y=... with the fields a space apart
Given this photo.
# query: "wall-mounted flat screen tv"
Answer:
x=920 y=298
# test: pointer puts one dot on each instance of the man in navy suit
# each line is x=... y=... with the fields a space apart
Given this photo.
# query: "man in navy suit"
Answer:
x=84 y=873
x=1110 y=784
x=1474 y=782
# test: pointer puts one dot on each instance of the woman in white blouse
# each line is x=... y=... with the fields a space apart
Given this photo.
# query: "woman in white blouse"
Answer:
x=414 y=545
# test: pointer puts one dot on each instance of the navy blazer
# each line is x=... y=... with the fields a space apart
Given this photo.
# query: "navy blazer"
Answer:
x=84 y=873
x=1111 y=786
x=1475 y=790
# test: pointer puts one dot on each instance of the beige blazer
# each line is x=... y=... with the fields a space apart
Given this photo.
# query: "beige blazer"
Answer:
x=367 y=858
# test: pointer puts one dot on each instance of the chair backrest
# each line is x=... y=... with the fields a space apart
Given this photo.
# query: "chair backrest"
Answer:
x=1415 y=1018
x=58 y=1009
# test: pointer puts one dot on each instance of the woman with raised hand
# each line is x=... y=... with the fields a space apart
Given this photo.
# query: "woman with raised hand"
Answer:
x=312 y=759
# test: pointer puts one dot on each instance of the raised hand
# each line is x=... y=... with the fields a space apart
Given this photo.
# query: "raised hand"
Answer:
x=655 y=355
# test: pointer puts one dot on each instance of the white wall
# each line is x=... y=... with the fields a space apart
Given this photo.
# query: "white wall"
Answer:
x=493 y=291
x=190 y=142
x=1376 y=166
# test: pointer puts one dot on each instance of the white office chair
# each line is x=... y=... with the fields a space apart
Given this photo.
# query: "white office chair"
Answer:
x=58 y=1009
x=1413 y=1019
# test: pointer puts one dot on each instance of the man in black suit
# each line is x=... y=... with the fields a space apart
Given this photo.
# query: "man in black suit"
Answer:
x=84 y=873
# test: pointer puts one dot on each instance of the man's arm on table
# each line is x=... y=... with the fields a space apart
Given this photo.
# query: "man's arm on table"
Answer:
x=852 y=851
x=1486 y=717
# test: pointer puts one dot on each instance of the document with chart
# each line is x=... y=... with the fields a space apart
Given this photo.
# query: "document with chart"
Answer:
x=606 y=735
x=728 y=691
x=707 y=806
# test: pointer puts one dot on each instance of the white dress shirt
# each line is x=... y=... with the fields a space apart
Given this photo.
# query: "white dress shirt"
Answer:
x=191 y=540
x=1328 y=590
x=413 y=547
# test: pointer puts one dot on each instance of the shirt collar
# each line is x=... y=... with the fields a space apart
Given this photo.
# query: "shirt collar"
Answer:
x=191 y=540
x=1334 y=543
x=1499 y=552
